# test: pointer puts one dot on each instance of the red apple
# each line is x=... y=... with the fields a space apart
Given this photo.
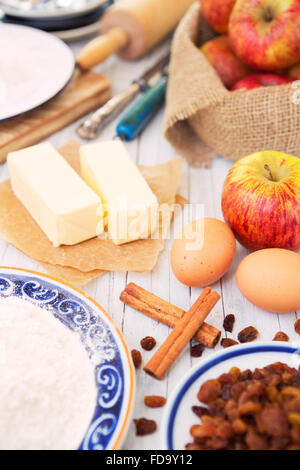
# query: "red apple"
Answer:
x=217 y=13
x=257 y=80
x=229 y=68
x=261 y=201
x=294 y=72
x=265 y=34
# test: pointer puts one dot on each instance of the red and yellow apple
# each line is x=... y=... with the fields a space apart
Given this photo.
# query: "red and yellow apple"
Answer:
x=265 y=34
x=261 y=201
x=257 y=80
x=229 y=68
x=217 y=13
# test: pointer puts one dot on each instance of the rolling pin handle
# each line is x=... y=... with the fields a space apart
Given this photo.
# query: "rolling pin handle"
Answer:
x=100 y=48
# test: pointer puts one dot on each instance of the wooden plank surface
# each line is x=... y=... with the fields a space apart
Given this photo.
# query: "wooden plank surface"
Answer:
x=200 y=186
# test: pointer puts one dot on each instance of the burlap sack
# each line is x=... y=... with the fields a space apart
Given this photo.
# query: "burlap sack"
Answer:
x=203 y=118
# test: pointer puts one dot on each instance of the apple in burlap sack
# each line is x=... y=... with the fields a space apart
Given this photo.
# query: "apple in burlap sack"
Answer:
x=229 y=68
x=217 y=13
x=257 y=80
x=261 y=201
x=265 y=34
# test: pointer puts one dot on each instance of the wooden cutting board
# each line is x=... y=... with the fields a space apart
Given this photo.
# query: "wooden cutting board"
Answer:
x=86 y=92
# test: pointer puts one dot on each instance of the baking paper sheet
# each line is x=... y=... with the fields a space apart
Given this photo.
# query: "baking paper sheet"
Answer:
x=80 y=263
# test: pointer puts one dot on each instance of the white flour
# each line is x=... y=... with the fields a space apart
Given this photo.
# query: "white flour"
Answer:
x=47 y=383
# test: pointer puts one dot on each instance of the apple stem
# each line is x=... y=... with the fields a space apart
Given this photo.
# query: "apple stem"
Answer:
x=269 y=14
x=266 y=167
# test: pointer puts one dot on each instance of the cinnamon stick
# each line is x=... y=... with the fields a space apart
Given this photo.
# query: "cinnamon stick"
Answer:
x=183 y=332
x=166 y=313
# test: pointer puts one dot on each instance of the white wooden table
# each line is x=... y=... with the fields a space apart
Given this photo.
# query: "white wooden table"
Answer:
x=198 y=186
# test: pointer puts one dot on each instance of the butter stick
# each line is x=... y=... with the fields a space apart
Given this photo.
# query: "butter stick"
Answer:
x=61 y=203
x=130 y=207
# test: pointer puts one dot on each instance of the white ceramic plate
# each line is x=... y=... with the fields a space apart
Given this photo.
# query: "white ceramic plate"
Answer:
x=114 y=372
x=35 y=67
x=77 y=33
x=49 y=8
x=178 y=416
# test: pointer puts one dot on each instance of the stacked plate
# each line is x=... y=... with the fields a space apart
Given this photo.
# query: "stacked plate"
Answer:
x=67 y=19
x=35 y=67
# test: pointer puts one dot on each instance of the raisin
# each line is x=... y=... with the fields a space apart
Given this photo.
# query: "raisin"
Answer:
x=249 y=408
x=279 y=443
x=192 y=446
x=237 y=390
x=148 y=343
x=273 y=421
x=197 y=350
x=207 y=429
x=217 y=443
x=228 y=323
x=209 y=391
x=277 y=368
x=227 y=342
x=246 y=375
x=248 y=334
x=226 y=394
x=154 y=401
x=200 y=411
x=225 y=379
x=297 y=326
x=217 y=407
x=225 y=430
x=144 y=426
x=281 y=336
x=255 y=441
x=136 y=358
x=239 y=426
x=294 y=418
x=296 y=379
x=235 y=372
x=287 y=378
x=272 y=380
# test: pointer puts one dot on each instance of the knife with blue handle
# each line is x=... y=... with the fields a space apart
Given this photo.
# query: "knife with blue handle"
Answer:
x=140 y=114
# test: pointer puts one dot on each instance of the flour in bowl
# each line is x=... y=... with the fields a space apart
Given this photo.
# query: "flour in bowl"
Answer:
x=47 y=382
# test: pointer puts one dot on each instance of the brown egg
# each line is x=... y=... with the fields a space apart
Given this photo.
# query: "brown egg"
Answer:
x=270 y=279
x=195 y=264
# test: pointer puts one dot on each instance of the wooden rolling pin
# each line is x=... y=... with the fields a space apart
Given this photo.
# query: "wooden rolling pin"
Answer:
x=132 y=27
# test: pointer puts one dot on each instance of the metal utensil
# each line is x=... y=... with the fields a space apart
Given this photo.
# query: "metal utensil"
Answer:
x=104 y=115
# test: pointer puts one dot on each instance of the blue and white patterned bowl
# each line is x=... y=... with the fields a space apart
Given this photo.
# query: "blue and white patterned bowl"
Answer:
x=178 y=416
x=106 y=347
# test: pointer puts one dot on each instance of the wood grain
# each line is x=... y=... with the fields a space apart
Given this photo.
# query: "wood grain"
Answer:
x=85 y=93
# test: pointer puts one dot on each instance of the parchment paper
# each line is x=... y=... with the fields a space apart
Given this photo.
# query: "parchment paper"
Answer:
x=82 y=262
x=71 y=275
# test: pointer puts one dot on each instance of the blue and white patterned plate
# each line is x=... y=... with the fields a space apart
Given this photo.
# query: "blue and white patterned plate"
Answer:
x=178 y=416
x=106 y=347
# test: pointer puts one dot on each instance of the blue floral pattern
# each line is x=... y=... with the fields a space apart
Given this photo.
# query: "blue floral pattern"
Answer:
x=97 y=336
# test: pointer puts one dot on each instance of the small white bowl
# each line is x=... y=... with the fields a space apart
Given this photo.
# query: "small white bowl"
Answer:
x=178 y=415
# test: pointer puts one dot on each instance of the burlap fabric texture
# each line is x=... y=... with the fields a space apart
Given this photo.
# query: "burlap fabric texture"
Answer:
x=204 y=119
